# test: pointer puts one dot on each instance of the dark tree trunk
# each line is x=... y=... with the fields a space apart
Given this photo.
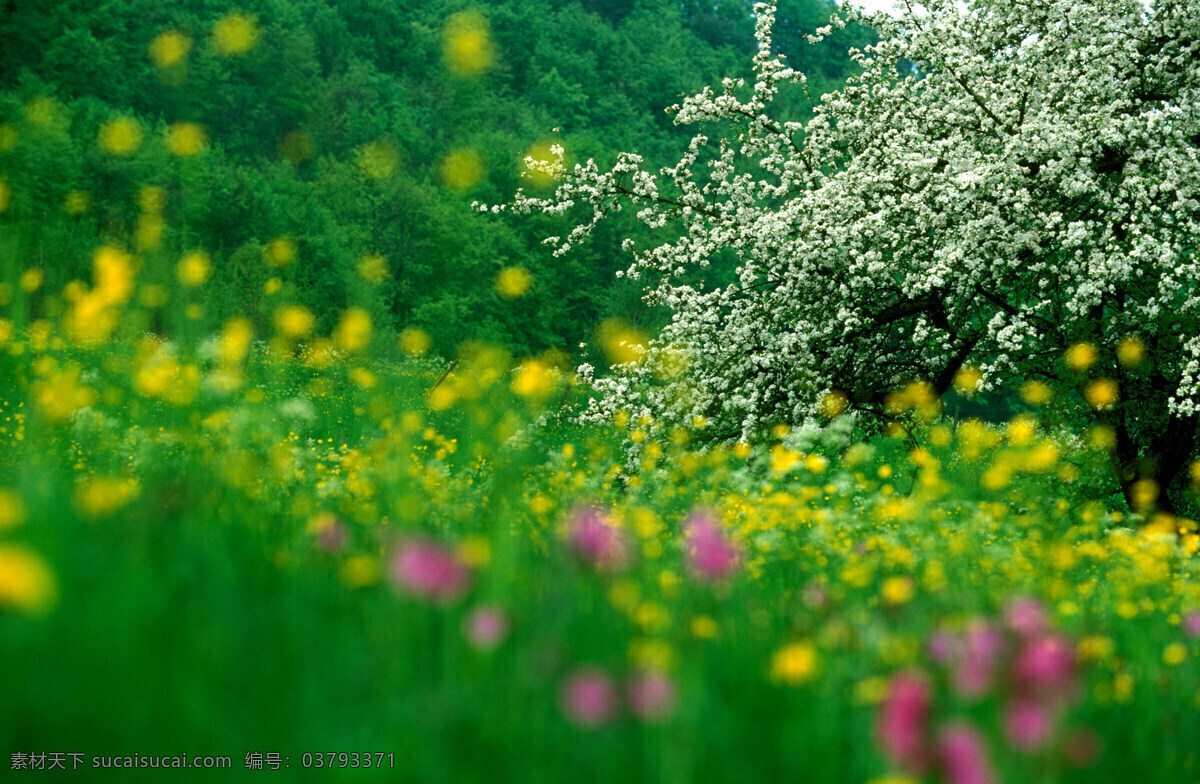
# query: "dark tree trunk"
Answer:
x=1166 y=459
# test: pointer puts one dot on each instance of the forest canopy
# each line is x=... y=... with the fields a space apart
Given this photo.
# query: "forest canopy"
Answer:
x=325 y=152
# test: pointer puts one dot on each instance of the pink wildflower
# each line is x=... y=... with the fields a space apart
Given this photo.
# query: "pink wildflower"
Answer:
x=589 y=698
x=941 y=646
x=903 y=721
x=962 y=756
x=975 y=669
x=1045 y=665
x=1026 y=617
x=651 y=696
x=428 y=570
x=486 y=627
x=712 y=556
x=1027 y=725
x=596 y=539
x=1191 y=624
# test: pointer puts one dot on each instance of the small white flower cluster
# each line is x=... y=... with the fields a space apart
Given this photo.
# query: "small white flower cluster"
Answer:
x=1033 y=182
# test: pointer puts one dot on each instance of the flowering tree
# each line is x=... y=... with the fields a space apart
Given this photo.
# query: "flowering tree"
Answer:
x=1030 y=186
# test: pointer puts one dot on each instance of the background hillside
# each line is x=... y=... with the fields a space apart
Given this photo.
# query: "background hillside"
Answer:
x=335 y=159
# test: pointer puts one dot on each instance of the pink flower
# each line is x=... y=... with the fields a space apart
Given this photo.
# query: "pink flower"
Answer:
x=597 y=540
x=962 y=756
x=1045 y=666
x=903 y=721
x=486 y=627
x=589 y=698
x=1027 y=725
x=1191 y=624
x=1026 y=617
x=651 y=696
x=975 y=668
x=428 y=570
x=712 y=556
x=941 y=647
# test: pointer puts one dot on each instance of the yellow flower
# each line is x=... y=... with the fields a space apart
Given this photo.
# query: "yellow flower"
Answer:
x=112 y=270
x=12 y=511
x=966 y=380
x=542 y=164
x=622 y=344
x=76 y=202
x=235 y=34
x=120 y=137
x=294 y=321
x=152 y=198
x=513 y=282
x=704 y=627
x=783 y=459
x=475 y=551
x=31 y=280
x=1021 y=430
x=280 y=252
x=795 y=663
x=461 y=168
x=834 y=403
x=1131 y=351
x=1175 y=654
x=871 y=691
x=1102 y=438
x=373 y=268
x=102 y=496
x=169 y=48
x=898 y=590
x=235 y=340
x=467 y=44
x=353 y=332
x=1036 y=393
x=379 y=159
x=1101 y=393
x=1081 y=356
x=148 y=233
x=1095 y=646
x=415 y=342
x=193 y=270
x=186 y=139
x=360 y=571
x=26 y=581
x=533 y=379
x=60 y=394
x=1144 y=493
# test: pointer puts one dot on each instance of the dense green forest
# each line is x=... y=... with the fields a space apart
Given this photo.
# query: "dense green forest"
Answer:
x=327 y=151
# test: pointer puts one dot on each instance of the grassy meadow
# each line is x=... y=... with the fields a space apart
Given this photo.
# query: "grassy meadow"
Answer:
x=326 y=544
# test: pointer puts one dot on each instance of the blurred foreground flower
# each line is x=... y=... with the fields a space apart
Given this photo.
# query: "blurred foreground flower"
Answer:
x=963 y=757
x=595 y=538
x=26 y=581
x=429 y=571
x=486 y=627
x=589 y=698
x=711 y=555
x=651 y=695
x=903 y=721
